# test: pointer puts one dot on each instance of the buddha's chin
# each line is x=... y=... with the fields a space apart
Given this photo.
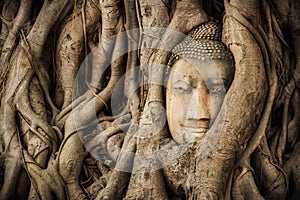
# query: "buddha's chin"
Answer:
x=189 y=134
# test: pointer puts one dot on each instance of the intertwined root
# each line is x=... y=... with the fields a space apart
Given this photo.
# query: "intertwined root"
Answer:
x=45 y=139
x=22 y=18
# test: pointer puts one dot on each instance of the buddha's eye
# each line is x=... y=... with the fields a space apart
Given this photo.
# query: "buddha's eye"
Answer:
x=182 y=87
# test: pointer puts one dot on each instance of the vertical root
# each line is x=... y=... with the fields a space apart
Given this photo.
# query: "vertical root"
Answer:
x=70 y=48
x=21 y=18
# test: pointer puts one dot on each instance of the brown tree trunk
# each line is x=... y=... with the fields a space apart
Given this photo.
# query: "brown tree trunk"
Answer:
x=83 y=109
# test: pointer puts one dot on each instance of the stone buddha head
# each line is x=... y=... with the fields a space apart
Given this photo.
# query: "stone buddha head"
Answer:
x=200 y=71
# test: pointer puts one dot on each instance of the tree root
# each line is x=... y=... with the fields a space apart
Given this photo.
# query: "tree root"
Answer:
x=65 y=113
x=132 y=59
x=70 y=47
x=291 y=167
x=41 y=74
x=35 y=144
x=61 y=174
x=272 y=82
x=54 y=185
x=293 y=126
x=120 y=177
x=100 y=99
x=245 y=187
x=37 y=125
x=82 y=116
x=8 y=12
x=103 y=137
x=13 y=162
x=272 y=178
x=283 y=136
x=21 y=19
x=123 y=116
x=48 y=16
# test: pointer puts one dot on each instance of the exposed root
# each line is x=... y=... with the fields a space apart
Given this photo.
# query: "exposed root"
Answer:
x=65 y=175
x=37 y=145
x=41 y=74
x=53 y=184
x=9 y=11
x=63 y=115
x=83 y=114
x=123 y=114
x=102 y=138
x=46 y=19
x=245 y=187
x=70 y=46
x=132 y=60
x=294 y=126
x=101 y=98
x=292 y=169
x=271 y=177
x=272 y=82
x=37 y=125
x=119 y=178
x=8 y=23
x=21 y=19
x=13 y=163
x=283 y=136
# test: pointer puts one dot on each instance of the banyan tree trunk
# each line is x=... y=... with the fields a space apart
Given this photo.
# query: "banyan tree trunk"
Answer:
x=213 y=169
x=63 y=61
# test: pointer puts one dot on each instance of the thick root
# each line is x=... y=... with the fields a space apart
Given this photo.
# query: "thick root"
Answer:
x=245 y=187
x=53 y=185
x=70 y=48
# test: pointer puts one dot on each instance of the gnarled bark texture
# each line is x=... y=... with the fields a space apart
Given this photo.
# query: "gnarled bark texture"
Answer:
x=83 y=101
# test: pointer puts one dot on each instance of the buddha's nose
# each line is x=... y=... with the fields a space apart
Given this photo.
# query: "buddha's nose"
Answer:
x=198 y=107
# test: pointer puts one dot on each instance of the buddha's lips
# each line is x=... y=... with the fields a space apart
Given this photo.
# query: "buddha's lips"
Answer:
x=190 y=134
x=195 y=130
x=201 y=128
x=187 y=134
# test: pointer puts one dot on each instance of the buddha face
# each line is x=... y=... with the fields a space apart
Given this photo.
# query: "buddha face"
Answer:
x=195 y=92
